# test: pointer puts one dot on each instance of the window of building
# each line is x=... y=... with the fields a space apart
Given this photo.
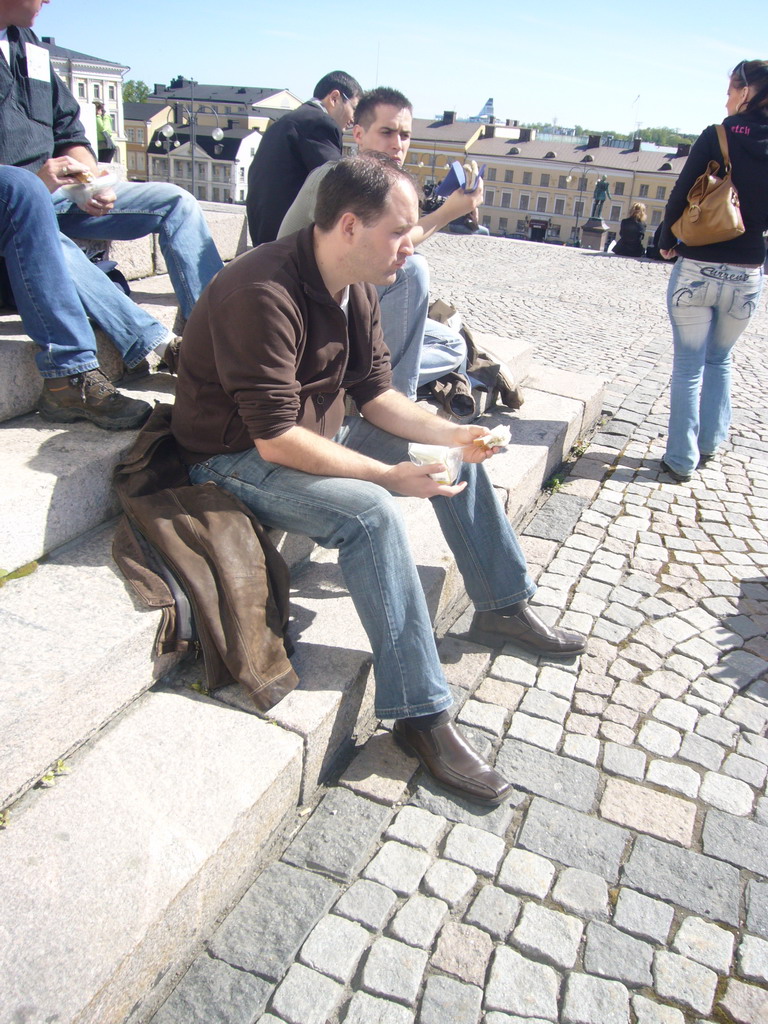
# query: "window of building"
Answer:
x=131 y=161
x=241 y=174
x=545 y=181
x=96 y=90
x=656 y=218
x=541 y=204
x=486 y=222
x=242 y=195
x=111 y=92
x=661 y=192
x=130 y=134
x=525 y=202
x=503 y=224
x=643 y=191
x=216 y=196
x=559 y=206
x=201 y=170
x=553 y=231
x=140 y=136
x=506 y=200
x=216 y=172
x=159 y=166
x=615 y=213
x=489 y=197
x=201 y=191
x=491 y=174
x=527 y=177
x=81 y=90
x=562 y=181
x=618 y=188
x=521 y=225
x=509 y=176
x=582 y=183
x=578 y=208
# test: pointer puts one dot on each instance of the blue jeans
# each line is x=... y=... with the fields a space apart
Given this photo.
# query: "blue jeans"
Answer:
x=364 y=522
x=46 y=298
x=710 y=305
x=186 y=244
x=421 y=350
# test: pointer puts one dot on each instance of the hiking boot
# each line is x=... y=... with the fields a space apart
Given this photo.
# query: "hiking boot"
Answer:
x=169 y=361
x=90 y=396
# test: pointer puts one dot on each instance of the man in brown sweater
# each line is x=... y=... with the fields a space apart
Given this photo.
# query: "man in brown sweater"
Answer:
x=272 y=348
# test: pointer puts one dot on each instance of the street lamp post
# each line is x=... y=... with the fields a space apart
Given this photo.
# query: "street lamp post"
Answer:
x=582 y=184
x=169 y=130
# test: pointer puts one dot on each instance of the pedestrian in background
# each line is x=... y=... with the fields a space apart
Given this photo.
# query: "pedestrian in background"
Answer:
x=632 y=232
x=105 y=140
x=714 y=289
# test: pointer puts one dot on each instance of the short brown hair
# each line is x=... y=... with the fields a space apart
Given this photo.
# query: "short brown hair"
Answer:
x=357 y=184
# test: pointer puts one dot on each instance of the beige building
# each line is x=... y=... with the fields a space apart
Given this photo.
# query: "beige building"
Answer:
x=142 y=121
x=543 y=190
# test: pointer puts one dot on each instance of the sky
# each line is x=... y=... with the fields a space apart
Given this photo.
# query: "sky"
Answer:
x=606 y=66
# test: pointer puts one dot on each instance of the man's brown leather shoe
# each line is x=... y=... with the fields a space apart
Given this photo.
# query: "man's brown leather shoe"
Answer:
x=451 y=761
x=525 y=629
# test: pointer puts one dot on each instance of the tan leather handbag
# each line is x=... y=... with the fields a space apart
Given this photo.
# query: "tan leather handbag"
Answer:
x=713 y=213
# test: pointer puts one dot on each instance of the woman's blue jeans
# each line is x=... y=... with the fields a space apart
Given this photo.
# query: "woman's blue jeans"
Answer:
x=710 y=305
x=363 y=521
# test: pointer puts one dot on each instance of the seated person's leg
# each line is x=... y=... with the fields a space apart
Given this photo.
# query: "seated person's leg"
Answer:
x=134 y=332
x=51 y=312
x=155 y=207
x=362 y=521
x=404 y=306
x=487 y=554
x=444 y=350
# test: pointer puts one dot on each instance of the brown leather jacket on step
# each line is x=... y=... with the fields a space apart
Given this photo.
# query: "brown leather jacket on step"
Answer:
x=220 y=560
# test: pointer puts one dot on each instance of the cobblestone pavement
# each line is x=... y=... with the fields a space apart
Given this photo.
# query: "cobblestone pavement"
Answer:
x=627 y=879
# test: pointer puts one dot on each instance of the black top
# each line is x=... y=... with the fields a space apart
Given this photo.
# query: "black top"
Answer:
x=292 y=147
x=747 y=136
x=39 y=116
x=630 y=241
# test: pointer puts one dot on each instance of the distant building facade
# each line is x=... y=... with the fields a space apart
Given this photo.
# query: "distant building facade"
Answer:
x=213 y=170
x=90 y=79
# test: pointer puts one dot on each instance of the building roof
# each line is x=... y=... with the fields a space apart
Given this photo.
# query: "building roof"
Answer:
x=225 y=149
x=140 y=111
x=64 y=54
x=182 y=89
x=442 y=130
x=566 y=153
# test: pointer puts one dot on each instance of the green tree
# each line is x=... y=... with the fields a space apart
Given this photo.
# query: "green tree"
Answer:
x=135 y=92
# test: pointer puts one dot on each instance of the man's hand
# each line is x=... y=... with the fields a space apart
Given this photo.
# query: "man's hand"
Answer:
x=64 y=170
x=460 y=203
x=467 y=438
x=415 y=482
x=668 y=254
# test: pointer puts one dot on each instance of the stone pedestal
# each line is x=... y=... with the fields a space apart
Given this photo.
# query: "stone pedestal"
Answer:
x=594 y=234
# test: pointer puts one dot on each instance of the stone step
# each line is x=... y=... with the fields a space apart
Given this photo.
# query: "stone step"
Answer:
x=117 y=872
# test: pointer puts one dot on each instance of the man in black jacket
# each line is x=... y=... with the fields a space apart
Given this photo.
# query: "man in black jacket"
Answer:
x=292 y=147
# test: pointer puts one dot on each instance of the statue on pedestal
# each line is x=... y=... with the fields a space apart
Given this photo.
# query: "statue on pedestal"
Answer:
x=599 y=196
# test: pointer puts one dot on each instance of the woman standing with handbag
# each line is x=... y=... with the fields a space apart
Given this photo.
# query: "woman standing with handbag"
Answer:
x=714 y=289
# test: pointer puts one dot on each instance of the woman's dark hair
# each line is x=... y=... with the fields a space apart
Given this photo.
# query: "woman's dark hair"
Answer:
x=753 y=74
x=357 y=184
x=348 y=86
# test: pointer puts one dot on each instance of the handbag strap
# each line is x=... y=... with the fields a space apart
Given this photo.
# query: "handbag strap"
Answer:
x=723 y=140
